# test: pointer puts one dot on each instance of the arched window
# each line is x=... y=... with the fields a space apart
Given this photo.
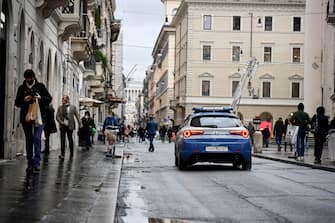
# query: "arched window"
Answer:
x=31 y=58
x=41 y=59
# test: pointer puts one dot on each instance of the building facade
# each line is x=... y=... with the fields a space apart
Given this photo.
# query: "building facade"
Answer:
x=133 y=91
x=320 y=56
x=214 y=41
x=58 y=40
x=50 y=37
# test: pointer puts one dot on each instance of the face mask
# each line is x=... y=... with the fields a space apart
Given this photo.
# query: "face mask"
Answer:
x=30 y=82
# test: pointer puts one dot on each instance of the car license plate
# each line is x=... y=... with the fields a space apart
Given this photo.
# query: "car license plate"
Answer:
x=216 y=148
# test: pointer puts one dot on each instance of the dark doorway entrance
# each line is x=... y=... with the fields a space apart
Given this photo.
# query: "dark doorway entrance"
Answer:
x=3 y=54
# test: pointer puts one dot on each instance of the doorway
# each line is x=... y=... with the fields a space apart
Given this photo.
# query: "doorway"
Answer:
x=3 y=60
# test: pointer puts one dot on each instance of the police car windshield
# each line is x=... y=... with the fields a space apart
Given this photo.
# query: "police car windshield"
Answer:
x=215 y=122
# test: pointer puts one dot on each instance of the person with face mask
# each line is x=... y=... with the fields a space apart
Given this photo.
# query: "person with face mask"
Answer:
x=86 y=131
x=30 y=91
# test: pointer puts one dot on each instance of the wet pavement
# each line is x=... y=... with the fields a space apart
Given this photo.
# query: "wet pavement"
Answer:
x=287 y=156
x=82 y=189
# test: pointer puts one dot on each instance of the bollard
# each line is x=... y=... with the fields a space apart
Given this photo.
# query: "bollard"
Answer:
x=258 y=142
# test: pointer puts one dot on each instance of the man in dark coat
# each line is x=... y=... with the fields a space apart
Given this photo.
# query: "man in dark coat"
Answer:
x=278 y=131
x=151 y=130
x=321 y=126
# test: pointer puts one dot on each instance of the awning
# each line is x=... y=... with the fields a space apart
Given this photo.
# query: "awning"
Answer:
x=90 y=102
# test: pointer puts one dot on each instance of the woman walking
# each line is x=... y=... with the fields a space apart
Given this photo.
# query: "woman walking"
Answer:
x=28 y=93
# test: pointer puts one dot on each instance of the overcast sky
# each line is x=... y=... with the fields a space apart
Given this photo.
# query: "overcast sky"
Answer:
x=141 y=23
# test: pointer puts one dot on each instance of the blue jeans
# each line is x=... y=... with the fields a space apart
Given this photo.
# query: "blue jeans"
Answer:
x=301 y=141
x=278 y=140
x=151 y=139
x=33 y=143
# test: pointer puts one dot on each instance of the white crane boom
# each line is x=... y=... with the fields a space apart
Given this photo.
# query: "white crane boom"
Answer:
x=248 y=74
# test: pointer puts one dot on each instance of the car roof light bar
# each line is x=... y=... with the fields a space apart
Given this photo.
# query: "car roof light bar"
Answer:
x=212 y=109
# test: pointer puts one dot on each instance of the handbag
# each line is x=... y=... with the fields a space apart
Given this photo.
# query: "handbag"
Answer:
x=38 y=121
x=31 y=115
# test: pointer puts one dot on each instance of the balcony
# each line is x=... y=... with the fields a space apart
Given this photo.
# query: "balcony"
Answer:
x=115 y=29
x=91 y=4
x=70 y=19
x=48 y=6
x=94 y=81
x=331 y=12
x=80 y=47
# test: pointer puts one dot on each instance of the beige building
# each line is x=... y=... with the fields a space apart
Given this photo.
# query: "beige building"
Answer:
x=320 y=56
x=160 y=75
x=214 y=41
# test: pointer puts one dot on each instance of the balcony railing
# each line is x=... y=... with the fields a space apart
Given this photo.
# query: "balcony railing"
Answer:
x=71 y=19
x=48 y=6
x=331 y=12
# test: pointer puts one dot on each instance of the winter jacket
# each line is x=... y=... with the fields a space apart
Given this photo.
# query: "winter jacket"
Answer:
x=37 y=89
x=110 y=121
x=151 y=127
x=321 y=121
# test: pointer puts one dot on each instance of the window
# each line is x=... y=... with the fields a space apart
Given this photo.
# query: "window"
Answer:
x=174 y=11
x=296 y=55
x=295 y=90
x=234 y=87
x=268 y=23
x=236 y=22
x=207 y=22
x=266 y=89
x=296 y=24
x=205 y=87
x=267 y=54
x=206 y=52
x=236 y=54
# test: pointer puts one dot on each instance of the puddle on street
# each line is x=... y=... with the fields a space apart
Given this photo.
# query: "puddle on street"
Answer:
x=128 y=158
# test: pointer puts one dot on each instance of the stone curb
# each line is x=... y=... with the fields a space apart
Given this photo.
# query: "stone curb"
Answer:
x=313 y=166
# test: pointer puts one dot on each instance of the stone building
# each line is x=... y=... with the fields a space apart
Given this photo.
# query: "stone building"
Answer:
x=214 y=41
x=53 y=37
x=320 y=56
x=132 y=90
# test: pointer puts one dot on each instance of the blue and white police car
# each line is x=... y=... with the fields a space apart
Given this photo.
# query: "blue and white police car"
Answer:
x=212 y=134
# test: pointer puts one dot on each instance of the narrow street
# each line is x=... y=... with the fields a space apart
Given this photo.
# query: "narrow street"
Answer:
x=152 y=189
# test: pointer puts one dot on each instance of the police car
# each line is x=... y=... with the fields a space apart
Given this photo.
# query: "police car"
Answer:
x=212 y=134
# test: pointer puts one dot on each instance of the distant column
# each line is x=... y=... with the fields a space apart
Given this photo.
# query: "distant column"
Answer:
x=312 y=60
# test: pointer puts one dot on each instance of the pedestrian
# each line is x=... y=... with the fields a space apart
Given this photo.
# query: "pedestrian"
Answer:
x=29 y=92
x=50 y=127
x=110 y=129
x=251 y=130
x=169 y=133
x=86 y=131
x=162 y=133
x=287 y=123
x=66 y=114
x=320 y=127
x=151 y=130
x=141 y=134
x=266 y=135
x=301 y=119
x=278 y=131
